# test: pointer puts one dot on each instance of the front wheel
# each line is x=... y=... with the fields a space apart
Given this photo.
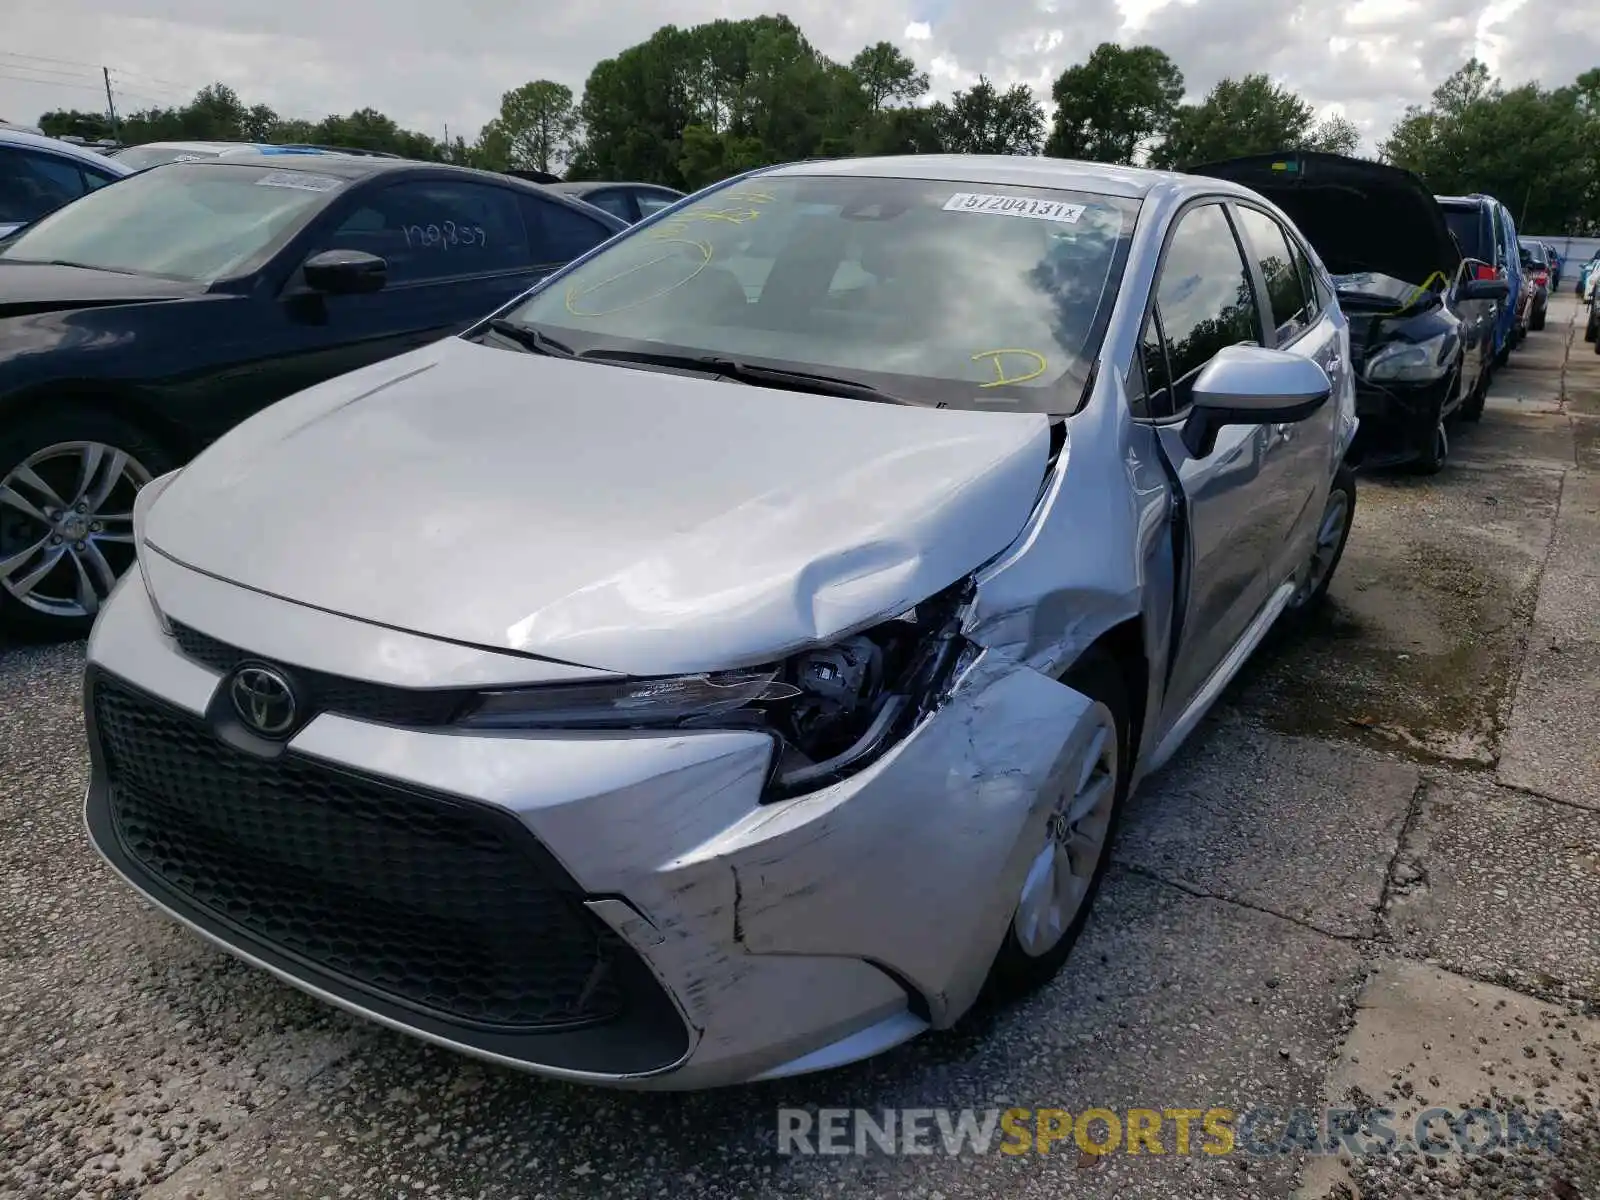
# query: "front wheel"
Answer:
x=1434 y=452
x=1074 y=845
x=1338 y=514
x=1591 y=327
x=1536 y=322
x=68 y=477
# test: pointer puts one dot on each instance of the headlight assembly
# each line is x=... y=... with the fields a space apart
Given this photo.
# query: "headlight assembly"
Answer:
x=1412 y=362
x=147 y=496
x=832 y=710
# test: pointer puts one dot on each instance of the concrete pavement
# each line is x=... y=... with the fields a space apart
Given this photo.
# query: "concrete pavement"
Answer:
x=1382 y=848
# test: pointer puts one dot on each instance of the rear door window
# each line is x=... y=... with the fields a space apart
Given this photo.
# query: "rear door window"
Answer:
x=560 y=233
x=436 y=229
x=614 y=200
x=1274 y=253
x=1467 y=225
x=32 y=185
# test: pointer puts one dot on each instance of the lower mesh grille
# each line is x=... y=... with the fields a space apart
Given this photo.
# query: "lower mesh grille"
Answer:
x=442 y=905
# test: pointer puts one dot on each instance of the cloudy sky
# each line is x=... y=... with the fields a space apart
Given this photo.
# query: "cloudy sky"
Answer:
x=430 y=65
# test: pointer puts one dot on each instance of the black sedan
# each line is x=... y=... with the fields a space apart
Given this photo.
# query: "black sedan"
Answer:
x=1421 y=321
x=144 y=320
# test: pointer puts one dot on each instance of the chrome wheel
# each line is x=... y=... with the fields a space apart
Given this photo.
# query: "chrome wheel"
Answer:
x=1330 y=538
x=66 y=526
x=1060 y=878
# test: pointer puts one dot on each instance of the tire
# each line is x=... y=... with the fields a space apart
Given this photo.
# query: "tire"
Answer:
x=1536 y=322
x=1591 y=327
x=1016 y=970
x=1472 y=407
x=89 y=542
x=1328 y=552
x=1434 y=455
x=1504 y=356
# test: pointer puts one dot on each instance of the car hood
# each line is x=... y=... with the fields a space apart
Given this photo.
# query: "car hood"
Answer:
x=1401 y=231
x=633 y=521
x=1374 y=293
x=27 y=287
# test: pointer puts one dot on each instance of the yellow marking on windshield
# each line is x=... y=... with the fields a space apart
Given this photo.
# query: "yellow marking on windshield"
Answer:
x=574 y=295
x=1000 y=376
x=750 y=197
x=679 y=222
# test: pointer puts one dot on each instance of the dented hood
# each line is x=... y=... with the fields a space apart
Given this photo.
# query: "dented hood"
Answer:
x=634 y=521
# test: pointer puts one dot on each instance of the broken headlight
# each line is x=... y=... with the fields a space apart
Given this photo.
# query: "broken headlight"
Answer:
x=831 y=709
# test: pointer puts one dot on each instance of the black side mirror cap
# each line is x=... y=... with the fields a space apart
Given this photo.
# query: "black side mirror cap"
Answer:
x=1485 y=289
x=345 y=272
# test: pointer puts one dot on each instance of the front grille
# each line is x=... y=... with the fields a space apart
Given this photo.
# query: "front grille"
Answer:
x=441 y=905
x=333 y=693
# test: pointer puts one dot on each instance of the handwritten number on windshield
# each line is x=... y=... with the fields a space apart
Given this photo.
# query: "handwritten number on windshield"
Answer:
x=444 y=236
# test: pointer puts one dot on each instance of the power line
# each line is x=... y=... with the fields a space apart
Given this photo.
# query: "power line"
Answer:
x=92 y=87
x=96 y=67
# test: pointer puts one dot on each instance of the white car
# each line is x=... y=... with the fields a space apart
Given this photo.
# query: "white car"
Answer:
x=39 y=174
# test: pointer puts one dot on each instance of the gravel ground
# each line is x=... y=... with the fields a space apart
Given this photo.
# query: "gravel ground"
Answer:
x=1374 y=855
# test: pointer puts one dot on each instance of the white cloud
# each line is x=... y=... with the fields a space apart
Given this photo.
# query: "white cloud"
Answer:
x=428 y=65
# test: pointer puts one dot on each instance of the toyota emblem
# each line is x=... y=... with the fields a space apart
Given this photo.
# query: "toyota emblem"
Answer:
x=264 y=700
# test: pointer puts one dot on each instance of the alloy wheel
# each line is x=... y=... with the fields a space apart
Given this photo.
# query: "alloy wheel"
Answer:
x=1325 y=553
x=1062 y=872
x=66 y=526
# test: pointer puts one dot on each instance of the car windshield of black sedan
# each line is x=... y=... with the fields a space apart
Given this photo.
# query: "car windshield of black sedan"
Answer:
x=960 y=294
x=197 y=223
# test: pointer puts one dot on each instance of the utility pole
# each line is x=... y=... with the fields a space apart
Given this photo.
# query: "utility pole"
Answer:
x=111 y=105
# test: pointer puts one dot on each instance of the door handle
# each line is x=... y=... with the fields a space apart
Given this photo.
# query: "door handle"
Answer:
x=1335 y=363
x=1285 y=432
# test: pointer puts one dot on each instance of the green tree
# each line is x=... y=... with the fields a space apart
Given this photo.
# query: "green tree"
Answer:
x=985 y=120
x=1536 y=150
x=537 y=127
x=91 y=126
x=1251 y=115
x=1113 y=107
x=1336 y=135
x=888 y=76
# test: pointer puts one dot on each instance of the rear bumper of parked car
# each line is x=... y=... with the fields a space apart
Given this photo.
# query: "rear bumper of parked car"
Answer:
x=611 y=907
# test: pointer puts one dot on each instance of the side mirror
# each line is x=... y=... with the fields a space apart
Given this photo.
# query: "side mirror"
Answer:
x=345 y=272
x=1485 y=289
x=1251 y=385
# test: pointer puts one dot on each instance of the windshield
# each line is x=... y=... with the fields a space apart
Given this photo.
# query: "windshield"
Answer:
x=939 y=293
x=1468 y=228
x=188 y=222
x=141 y=158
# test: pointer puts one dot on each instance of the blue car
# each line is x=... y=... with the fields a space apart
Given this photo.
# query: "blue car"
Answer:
x=1486 y=233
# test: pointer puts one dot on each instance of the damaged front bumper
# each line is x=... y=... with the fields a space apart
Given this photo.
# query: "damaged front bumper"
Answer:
x=617 y=907
x=1398 y=420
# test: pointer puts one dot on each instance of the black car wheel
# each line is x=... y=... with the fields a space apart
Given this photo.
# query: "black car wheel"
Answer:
x=68 y=477
x=1536 y=321
x=1472 y=407
x=1591 y=328
x=1337 y=517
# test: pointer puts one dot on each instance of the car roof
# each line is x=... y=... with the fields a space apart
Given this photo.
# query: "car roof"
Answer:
x=1106 y=179
x=357 y=167
x=10 y=136
x=574 y=187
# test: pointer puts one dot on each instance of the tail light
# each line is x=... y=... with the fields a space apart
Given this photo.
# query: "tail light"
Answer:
x=1541 y=278
x=1485 y=271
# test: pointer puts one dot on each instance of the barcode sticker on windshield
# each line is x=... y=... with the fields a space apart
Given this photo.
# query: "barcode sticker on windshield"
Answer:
x=298 y=179
x=1014 y=206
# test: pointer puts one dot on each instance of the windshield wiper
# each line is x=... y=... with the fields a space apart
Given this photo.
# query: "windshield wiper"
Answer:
x=531 y=339
x=743 y=372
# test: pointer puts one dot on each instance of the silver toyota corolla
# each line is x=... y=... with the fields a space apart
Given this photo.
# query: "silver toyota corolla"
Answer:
x=729 y=659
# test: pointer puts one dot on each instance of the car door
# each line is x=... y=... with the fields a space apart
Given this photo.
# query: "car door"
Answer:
x=558 y=233
x=455 y=250
x=34 y=183
x=1301 y=324
x=1241 y=503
